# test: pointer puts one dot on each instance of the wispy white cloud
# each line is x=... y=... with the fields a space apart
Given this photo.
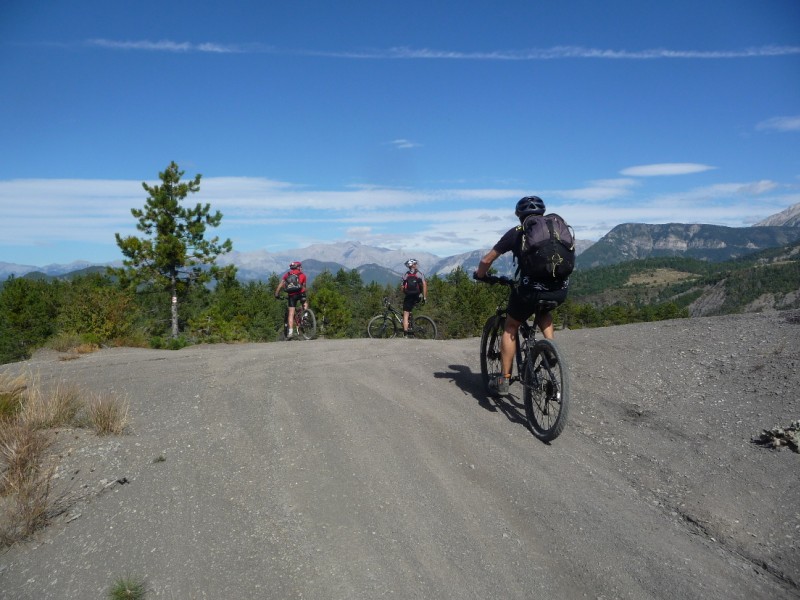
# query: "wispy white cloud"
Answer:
x=404 y=144
x=597 y=191
x=758 y=188
x=562 y=52
x=403 y=52
x=170 y=46
x=357 y=233
x=781 y=124
x=657 y=170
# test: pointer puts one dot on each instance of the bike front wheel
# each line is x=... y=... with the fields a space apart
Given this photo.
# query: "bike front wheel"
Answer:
x=307 y=324
x=546 y=394
x=381 y=327
x=425 y=328
x=491 y=338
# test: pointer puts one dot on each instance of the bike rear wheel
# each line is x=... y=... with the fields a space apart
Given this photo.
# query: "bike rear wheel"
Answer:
x=491 y=338
x=546 y=394
x=424 y=328
x=382 y=327
x=306 y=323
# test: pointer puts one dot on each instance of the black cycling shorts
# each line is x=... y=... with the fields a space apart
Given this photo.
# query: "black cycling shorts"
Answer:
x=410 y=301
x=523 y=301
x=295 y=298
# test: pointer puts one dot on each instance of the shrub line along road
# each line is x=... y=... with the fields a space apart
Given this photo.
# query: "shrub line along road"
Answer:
x=359 y=469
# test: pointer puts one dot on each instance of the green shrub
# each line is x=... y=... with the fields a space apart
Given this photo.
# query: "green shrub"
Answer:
x=128 y=588
x=159 y=343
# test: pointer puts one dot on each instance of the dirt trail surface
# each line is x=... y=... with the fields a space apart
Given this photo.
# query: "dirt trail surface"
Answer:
x=362 y=469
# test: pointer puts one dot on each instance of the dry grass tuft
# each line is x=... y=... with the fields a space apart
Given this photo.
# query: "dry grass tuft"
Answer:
x=72 y=344
x=27 y=412
x=107 y=414
x=21 y=452
x=55 y=409
x=29 y=508
x=12 y=388
x=85 y=348
x=25 y=497
x=64 y=341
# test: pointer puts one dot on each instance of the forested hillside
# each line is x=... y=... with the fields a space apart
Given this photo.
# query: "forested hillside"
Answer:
x=763 y=280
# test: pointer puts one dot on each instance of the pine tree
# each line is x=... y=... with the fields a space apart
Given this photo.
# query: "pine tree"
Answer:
x=174 y=254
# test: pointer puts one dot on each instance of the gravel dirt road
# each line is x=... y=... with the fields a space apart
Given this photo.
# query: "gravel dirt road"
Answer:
x=362 y=469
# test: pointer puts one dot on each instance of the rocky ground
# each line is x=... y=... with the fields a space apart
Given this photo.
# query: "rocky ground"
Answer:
x=369 y=468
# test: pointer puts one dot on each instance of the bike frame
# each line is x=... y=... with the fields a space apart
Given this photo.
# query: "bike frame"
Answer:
x=299 y=310
x=541 y=369
x=390 y=320
x=526 y=338
x=398 y=316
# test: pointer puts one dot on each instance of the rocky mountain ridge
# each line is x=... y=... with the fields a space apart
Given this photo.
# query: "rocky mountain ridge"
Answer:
x=632 y=241
x=789 y=217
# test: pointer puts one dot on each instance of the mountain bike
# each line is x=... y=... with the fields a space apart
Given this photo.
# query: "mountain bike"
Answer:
x=540 y=368
x=305 y=322
x=385 y=325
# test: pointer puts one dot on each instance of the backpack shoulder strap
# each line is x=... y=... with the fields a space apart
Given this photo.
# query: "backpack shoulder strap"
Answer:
x=550 y=228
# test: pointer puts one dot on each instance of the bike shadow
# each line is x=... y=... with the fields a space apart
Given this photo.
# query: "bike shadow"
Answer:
x=472 y=384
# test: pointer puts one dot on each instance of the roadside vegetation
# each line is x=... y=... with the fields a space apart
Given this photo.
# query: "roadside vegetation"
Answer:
x=28 y=415
x=76 y=316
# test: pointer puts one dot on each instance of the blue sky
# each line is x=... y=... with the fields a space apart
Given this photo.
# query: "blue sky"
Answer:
x=413 y=124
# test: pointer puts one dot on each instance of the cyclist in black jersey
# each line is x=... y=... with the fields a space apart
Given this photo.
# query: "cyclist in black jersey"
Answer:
x=415 y=290
x=525 y=297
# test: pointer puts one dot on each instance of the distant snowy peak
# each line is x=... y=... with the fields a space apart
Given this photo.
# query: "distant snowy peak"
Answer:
x=55 y=270
x=9 y=269
x=350 y=255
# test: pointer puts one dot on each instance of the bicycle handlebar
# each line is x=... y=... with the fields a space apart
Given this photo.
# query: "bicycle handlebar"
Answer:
x=491 y=279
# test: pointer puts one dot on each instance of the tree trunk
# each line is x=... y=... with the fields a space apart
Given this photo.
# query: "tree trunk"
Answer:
x=174 y=290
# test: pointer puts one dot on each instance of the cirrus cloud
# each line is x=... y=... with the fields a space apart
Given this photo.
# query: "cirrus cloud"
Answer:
x=660 y=169
x=781 y=124
x=406 y=53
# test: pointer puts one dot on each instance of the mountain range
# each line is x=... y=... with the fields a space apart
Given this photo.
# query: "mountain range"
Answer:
x=713 y=243
x=627 y=241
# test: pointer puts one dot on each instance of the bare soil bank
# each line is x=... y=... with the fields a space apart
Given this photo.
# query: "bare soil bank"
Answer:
x=367 y=468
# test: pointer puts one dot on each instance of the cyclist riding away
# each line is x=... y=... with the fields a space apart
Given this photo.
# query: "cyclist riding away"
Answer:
x=415 y=288
x=525 y=295
x=294 y=282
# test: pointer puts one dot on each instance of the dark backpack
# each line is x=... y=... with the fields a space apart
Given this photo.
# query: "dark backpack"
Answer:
x=412 y=284
x=548 y=248
x=293 y=283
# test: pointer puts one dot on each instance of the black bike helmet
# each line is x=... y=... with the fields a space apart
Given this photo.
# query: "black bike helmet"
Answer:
x=529 y=205
x=411 y=262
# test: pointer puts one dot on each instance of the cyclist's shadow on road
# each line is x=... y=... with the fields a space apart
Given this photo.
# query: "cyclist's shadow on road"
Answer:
x=472 y=385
